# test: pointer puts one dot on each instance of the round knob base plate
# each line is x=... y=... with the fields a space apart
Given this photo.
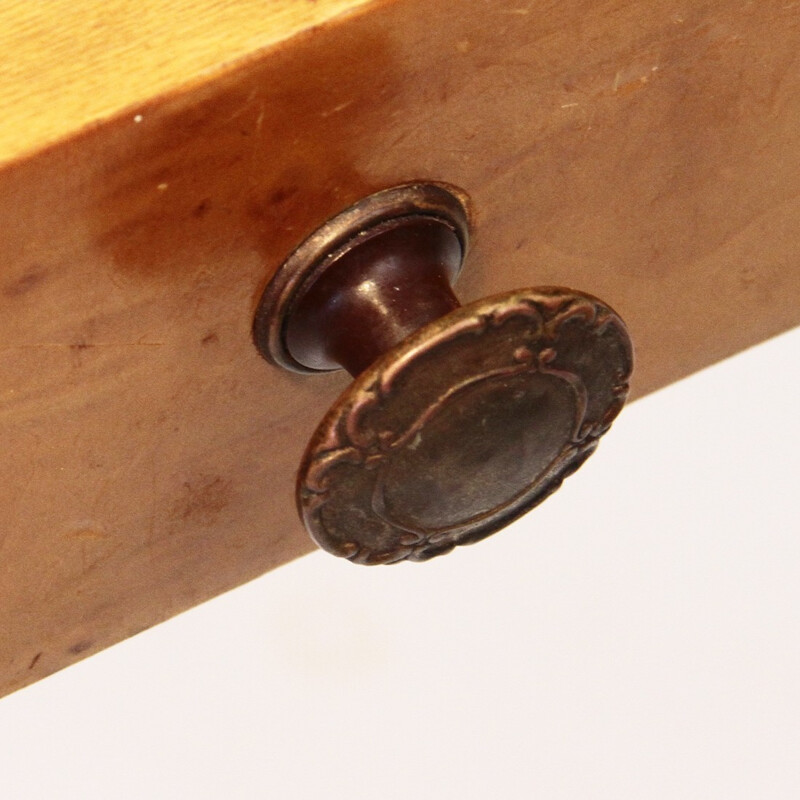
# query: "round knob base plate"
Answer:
x=335 y=241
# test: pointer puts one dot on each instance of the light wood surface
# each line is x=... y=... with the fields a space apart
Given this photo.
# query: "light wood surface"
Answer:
x=648 y=155
x=68 y=64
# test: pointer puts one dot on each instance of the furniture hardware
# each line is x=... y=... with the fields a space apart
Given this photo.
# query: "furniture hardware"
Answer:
x=460 y=418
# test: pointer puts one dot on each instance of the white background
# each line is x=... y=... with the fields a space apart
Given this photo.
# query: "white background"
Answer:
x=638 y=636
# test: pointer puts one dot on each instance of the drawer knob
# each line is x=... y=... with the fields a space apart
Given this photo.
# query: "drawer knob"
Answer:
x=460 y=418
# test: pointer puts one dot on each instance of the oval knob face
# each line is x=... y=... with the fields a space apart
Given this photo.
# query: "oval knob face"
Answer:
x=464 y=426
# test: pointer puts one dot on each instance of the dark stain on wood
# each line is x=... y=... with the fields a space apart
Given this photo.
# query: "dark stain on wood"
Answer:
x=255 y=157
x=203 y=498
x=34 y=277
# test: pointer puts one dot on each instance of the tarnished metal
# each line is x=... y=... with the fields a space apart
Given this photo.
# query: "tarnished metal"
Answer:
x=468 y=416
x=465 y=426
x=335 y=239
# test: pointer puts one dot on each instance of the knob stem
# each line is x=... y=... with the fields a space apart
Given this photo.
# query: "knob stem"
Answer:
x=379 y=288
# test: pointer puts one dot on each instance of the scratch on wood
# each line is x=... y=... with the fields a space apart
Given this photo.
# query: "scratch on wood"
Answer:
x=77 y=345
x=337 y=109
x=620 y=87
x=87 y=533
x=243 y=108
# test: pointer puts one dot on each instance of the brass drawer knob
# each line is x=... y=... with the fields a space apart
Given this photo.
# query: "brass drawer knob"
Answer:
x=460 y=418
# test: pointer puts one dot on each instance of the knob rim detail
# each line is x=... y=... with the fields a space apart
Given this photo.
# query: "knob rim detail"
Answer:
x=544 y=370
x=334 y=240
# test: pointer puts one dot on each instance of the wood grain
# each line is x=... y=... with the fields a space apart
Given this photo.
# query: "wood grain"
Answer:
x=69 y=64
x=645 y=155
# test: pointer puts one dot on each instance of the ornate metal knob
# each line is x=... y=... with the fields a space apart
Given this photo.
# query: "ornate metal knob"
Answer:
x=460 y=419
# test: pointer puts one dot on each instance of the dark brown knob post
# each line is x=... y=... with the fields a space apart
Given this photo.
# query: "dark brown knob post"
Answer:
x=394 y=281
x=460 y=419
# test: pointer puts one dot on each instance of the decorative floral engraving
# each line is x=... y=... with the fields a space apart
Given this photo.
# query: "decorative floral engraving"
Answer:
x=464 y=427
